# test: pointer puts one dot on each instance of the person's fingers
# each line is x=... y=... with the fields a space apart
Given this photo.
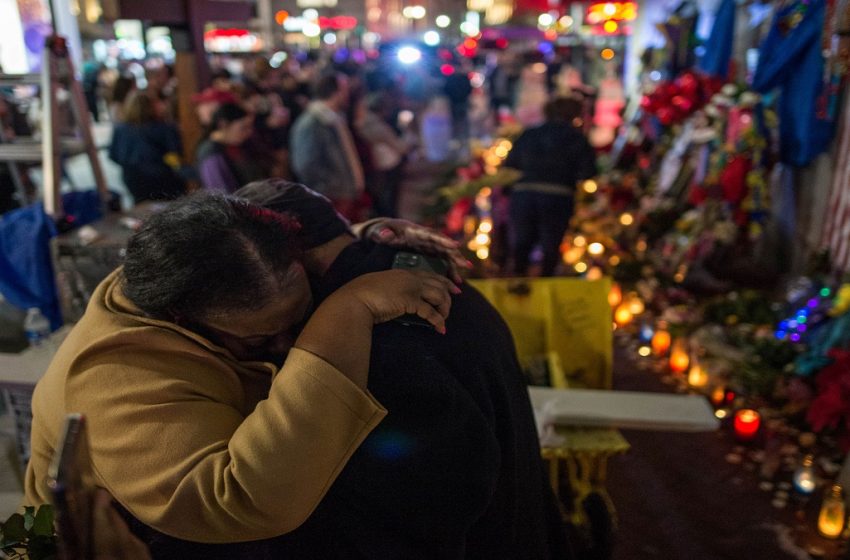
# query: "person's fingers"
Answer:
x=437 y=295
x=437 y=280
x=112 y=538
x=131 y=548
x=440 y=240
x=430 y=314
x=454 y=273
x=102 y=531
x=438 y=299
x=386 y=234
x=456 y=263
x=102 y=500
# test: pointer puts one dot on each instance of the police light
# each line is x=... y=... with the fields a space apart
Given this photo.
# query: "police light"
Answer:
x=409 y=55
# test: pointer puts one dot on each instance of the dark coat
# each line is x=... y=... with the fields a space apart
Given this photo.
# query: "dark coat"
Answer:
x=140 y=150
x=555 y=153
x=454 y=470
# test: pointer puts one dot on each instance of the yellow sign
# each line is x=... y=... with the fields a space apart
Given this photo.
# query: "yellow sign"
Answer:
x=565 y=321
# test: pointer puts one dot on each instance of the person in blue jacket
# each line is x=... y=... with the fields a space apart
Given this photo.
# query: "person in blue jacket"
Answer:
x=148 y=149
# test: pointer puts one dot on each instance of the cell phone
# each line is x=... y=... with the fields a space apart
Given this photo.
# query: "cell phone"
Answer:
x=72 y=486
x=415 y=261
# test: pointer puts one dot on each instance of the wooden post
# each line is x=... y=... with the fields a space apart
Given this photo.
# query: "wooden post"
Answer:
x=51 y=156
x=187 y=85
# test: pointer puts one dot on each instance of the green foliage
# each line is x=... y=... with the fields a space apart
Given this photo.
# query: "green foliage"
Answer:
x=767 y=361
x=29 y=535
x=629 y=271
x=447 y=195
x=749 y=306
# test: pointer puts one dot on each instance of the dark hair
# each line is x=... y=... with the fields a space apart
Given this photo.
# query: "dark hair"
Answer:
x=227 y=113
x=220 y=74
x=377 y=101
x=207 y=255
x=139 y=108
x=251 y=88
x=326 y=86
x=563 y=109
x=124 y=84
x=320 y=222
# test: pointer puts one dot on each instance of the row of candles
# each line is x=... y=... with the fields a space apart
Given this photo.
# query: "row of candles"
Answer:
x=747 y=422
x=746 y=425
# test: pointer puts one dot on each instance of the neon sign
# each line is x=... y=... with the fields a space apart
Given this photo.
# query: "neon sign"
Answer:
x=611 y=11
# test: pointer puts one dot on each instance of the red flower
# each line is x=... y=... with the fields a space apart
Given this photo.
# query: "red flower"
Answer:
x=831 y=407
x=455 y=215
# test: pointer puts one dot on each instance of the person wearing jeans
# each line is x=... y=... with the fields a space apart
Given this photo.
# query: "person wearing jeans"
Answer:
x=552 y=157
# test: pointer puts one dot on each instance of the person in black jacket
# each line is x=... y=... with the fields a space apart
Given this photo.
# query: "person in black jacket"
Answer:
x=454 y=471
x=552 y=157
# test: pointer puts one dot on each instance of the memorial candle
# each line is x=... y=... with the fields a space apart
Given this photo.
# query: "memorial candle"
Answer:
x=615 y=296
x=747 y=422
x=622 y=316
x=831 y=518
x=679 y=358
x=661 y=342
x=805 y=479
x=697 y=377
x=718 y=395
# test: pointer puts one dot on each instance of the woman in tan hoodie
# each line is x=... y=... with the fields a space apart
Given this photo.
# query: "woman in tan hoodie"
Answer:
x=194 y=427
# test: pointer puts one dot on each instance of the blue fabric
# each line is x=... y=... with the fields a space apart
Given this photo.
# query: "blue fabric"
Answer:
x=833 y=334
x=792 y=60
x=718 y=47
x=26 y=270
x=84 y=206
x=144 y=144
x=784 y=205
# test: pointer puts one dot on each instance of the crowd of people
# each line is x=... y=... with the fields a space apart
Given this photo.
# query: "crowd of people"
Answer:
x=330 y=126
x=347 y=129
x=337 y=128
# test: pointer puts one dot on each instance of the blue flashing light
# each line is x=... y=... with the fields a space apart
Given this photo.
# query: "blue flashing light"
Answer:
x=409 y=55
x=545 y=47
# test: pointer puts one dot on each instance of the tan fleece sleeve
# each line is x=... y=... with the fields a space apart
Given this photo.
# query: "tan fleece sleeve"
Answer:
x=169 y=441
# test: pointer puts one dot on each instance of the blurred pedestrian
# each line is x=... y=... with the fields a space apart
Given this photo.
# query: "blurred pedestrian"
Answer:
x=270 y=140
x=388 y=152
x=148 y=149
x=437 y=130
x=552 y=157
x=91 y=87
x=124 y=85
x=457 y=89
x=323 y=151
x=223 y=162
x=208 y=101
